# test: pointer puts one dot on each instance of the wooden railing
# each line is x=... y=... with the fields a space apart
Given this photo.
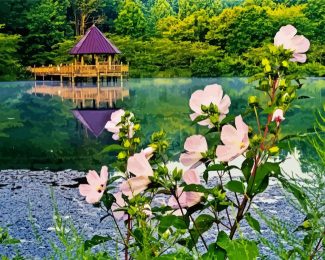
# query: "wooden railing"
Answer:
x=78 y=70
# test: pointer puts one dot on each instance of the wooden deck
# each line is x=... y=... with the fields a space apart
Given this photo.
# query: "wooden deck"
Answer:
x=84 y=95
x=78 y=70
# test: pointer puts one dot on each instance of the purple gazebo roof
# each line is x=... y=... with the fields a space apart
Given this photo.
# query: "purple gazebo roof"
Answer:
x=93 y=120
x=94 y=42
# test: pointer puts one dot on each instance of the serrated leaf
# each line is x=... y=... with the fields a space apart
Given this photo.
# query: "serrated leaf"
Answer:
x=96 y=240
x=236 y=186
x=253 y=222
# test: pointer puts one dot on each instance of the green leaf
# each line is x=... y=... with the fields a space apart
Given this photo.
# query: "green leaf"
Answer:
x=96 y=240
x=214 y=252
x=237 y=249
x=227 y=119
x=203 y=223
x=261 y=177
x=216 y=167
x=236 y=186
x=196 y=188
x=200 y=118
x=253 y=222
x=295 y=190
x=112 y=148
x=171 y=220
x=246 y=168
x=303 y=97
x=108 y=200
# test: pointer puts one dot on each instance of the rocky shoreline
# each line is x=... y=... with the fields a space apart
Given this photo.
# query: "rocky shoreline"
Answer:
x=26 y=207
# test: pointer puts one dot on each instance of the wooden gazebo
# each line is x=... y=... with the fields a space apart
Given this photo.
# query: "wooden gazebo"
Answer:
x=95 y=56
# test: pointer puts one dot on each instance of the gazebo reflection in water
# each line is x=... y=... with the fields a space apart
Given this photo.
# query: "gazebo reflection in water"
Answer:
x=94 y=104
x=82 y=95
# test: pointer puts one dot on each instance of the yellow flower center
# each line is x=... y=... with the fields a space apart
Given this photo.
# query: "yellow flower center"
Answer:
x=100 y=188
x=242 y=145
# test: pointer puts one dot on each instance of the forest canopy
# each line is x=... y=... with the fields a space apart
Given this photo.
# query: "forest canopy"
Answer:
x=159 y=38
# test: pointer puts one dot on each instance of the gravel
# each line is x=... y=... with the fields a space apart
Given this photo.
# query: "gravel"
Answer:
x=26 y=207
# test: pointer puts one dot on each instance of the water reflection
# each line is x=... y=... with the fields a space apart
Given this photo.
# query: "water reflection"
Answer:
x=83 y=96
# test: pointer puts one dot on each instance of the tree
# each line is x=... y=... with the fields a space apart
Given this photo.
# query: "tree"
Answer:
x=240 y=28
x=85 y=12
x=161 y=9
x=131 y=20
x=48 y=26
x=188 y=7
x=9 y=63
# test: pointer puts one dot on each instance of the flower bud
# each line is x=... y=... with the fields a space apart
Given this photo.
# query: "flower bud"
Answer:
x=213 y=108
x=256 y=139
x=127 y=113
x=204 y=108
x=285 y=64
x=282 y=83
x=126 y=143
x=166 y=234
x=214 y=119
x=121 y=155
x=136 y=140
x=285 y=98
x=274 y=150
x=252 y=101
x=177 y=175
x=136 y=127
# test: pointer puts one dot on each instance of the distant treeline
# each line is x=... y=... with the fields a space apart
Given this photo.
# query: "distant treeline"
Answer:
x=159 y=38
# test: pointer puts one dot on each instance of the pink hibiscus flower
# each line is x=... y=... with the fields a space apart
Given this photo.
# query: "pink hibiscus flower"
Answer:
x=119 y=203
x=96 y=187
x=235 y=141
x=148 y=152
x=186 y=198
x=195 y=146
x=138 y=165
x=211 y=94
x=113 y=127
x=278 y=116
x=299 y=44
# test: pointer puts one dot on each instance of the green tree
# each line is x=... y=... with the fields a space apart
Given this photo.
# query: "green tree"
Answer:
x=188 y=7
x=192 y=28
x=9 y=62
x=161 y=9
x=86 y=12
x=131 y=20
x=240 y=28
x=315 y=12
x=48 y=26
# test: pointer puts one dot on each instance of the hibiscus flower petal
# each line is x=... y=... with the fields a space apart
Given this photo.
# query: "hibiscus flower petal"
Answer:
x=190 y=158
x=229 y=135
x=93 y=178
x=196 y=143
x=226 y=153
x=191 y=177
x=138 y=165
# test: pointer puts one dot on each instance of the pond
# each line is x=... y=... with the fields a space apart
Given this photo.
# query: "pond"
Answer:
x=40 y=128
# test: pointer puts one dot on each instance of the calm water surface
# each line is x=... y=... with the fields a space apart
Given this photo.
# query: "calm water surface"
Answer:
x=39 y=131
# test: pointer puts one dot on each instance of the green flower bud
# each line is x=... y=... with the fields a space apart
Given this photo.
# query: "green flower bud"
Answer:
x=285 y=64
x=213 y=108
x=274 y=150
x=126 y=143
x=136 y=140
x=282 y=83
x=127 y=114
x=121 y=155
x=177 y=175
x=285 y=98
x=166 y=234
x=256 y=139
x=253 y=101
x=306 y=224
x=204 y=108
x=214 y=119
x=136 y=127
